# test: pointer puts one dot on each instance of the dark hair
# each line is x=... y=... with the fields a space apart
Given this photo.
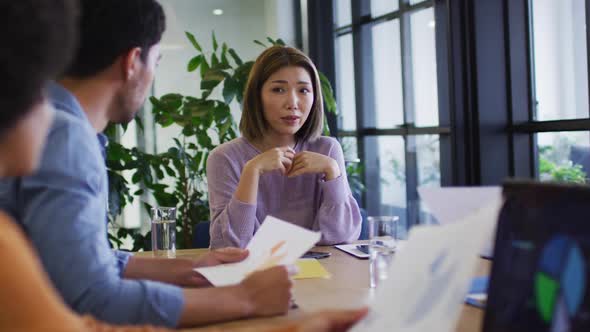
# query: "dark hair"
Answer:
x=38 y=40
x=252 y=124
x=109 y=28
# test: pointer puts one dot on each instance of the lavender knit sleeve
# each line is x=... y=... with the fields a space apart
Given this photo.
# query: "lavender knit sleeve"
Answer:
x=232 y=221
x=339 y=217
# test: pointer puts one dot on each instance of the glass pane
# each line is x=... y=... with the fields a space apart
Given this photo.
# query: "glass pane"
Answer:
x=413 y=2
x=424 y=68
x=382 y=7
x=560 y=59
x=349 y=147
x=345 y=92
x=428 y=158
x=343 y=12
x=564 y=156
x=427 y=149
x=353 y=167
x=387 y=72
x=390 y=178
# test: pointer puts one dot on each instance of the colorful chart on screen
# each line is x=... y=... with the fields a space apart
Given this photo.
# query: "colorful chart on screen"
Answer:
x=560 y=282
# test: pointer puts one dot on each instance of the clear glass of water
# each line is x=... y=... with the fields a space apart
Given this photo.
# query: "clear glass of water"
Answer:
x=164 y=232
x=382 y=242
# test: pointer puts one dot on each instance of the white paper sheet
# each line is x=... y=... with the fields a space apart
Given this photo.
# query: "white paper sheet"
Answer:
x=451 y=204
x=275 y=243
x=430 y=277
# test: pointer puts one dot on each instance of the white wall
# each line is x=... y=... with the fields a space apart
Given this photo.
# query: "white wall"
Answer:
x=242 y=22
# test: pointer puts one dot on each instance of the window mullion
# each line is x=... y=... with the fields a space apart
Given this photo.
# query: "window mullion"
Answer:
x=413 y=208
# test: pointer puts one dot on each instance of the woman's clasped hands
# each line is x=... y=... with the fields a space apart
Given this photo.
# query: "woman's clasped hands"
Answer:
x=291 y=163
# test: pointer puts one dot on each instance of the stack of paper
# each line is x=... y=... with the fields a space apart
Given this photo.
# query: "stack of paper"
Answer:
x=276 y=243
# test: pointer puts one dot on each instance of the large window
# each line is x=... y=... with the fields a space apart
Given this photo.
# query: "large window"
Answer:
x=386 y=87
x=559 y=71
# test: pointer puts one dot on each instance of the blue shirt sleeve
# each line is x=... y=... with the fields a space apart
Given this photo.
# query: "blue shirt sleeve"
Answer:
x=122 y=260
x=62 y=208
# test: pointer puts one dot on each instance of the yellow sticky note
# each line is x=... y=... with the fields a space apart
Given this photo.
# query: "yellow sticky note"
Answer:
x=311 y=268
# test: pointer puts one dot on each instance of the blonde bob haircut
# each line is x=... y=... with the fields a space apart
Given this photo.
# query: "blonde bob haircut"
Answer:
x=253 y=125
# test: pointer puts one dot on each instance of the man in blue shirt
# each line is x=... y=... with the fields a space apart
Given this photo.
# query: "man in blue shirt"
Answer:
x=62 y=207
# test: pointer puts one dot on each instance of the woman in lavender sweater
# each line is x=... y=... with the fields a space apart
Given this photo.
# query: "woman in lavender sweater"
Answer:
x=282 y=166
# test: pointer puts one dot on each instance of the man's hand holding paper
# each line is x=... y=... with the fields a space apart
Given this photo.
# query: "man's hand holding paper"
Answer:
x=276 y=243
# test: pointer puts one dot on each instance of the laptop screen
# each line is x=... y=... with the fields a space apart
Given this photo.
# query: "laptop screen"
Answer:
x=539 y=279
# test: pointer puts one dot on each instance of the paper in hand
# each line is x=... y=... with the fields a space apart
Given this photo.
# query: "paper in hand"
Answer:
x=277 y=242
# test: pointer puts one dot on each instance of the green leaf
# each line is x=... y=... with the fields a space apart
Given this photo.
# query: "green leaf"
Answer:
x=193 y=41
x=221 y=113
x=224 y=128
x=229 y=90
x=241 y=77
x=187 y=131
x=214 y=61
x=147 y=207
x=204 y=140
x=204 y=67
x=138 y=121
x=243 y=71
x=271 y=41
x=328 y=94
x=215 y=46
x=199 y=157
x=212 y=78
x=178 y=144
x=159 y=173
x=224 y=60
x=194 y=63
x=235 y=56
x=280 y=42
x=169 y=103
x=196 y=109
x=136 y=177
x=169 y=171
x=115 y=242
x=165 y=199
x=138 y=192
x=115 y=151
x=259 y=43
x=111 y=131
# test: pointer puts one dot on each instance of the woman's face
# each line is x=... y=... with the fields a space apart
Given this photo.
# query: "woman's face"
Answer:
x=287 y=97
x=22 y=145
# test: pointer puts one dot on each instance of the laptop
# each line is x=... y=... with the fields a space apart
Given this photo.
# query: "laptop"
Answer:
x=540 y=275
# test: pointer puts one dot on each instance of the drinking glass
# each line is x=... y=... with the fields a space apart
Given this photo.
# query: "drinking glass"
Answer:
x=164 y=232
x=382 y=242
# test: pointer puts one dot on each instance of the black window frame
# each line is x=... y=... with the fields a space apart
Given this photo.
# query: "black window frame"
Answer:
x=360 y=28
x=322 y=48
x=519 y=15
x=485 y=89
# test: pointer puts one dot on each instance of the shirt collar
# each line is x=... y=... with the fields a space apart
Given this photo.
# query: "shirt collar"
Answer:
x=103 y=140
x=64 y=100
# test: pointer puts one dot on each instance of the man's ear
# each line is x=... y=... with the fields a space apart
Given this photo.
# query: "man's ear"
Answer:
x=130 y=62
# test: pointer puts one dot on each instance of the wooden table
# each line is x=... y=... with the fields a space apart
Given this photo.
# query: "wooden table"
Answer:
x=348 y=288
